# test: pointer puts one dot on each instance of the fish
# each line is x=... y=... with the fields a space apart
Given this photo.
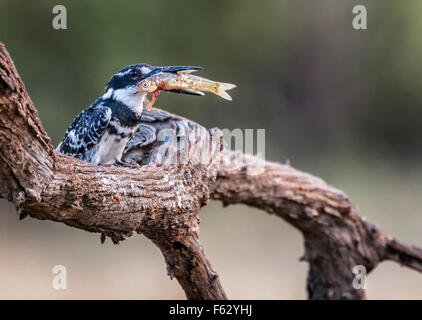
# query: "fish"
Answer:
x=182 y=81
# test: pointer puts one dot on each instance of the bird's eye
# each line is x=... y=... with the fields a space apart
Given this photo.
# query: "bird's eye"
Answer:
x=133 y=74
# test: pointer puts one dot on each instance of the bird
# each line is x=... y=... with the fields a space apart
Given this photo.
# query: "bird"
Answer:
x=100 y=132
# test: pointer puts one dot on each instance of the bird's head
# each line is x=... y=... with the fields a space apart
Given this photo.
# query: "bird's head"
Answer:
x=130 y=78
x=129 y=87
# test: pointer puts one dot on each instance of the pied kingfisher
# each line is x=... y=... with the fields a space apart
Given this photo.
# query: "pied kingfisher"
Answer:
x=100 y=133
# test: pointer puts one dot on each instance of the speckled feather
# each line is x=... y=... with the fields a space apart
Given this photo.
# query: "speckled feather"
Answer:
x=85 y=130
x=100 y=132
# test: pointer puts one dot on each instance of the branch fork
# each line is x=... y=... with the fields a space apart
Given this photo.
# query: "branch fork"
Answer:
x=163 y=202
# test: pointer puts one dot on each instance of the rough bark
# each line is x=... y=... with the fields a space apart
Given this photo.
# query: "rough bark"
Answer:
x=26 y=153
x=336 y=237
x=187 y=262
x=162 y=197
x=161 y=202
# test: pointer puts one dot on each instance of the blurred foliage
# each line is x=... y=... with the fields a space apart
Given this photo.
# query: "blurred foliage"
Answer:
x=303 y=73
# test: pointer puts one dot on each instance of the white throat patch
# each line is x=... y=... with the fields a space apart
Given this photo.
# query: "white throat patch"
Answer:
x=129 y=96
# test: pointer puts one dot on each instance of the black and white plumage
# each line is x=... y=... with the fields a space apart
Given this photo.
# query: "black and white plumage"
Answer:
x=100 y=132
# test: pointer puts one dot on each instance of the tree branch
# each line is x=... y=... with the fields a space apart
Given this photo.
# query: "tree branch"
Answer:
x=187 y=262
x=162 y=198
x=161 y=202
x=337 y=237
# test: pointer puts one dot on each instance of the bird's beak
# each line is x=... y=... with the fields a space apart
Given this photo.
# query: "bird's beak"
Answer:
x=171 y=69
x=163 y=71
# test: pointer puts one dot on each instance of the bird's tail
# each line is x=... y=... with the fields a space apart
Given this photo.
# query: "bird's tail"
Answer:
x=222 y=88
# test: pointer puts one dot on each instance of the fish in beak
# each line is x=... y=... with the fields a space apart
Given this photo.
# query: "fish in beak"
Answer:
x=179 y=80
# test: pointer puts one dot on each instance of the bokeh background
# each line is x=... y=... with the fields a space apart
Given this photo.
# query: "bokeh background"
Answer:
x=342 y=104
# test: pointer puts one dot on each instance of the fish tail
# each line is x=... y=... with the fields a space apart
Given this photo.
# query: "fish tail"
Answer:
x=222 y=88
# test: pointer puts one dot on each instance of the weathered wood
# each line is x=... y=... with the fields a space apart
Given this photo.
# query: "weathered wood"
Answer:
x=26 y=153
x=161 y=202
x=162 y=197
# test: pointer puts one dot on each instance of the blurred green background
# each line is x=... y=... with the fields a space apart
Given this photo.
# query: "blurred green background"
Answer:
x=343 y=104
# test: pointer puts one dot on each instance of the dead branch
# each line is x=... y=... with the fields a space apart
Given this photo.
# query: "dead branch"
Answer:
x=163 y=201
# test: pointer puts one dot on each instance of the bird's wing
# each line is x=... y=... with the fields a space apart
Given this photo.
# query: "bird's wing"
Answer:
x=85 y=130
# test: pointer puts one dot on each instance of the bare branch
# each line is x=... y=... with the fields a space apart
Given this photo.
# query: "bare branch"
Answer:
x=408 y=256
x=337 y=237
x=163 y=202
x=187 y=262
x=26 y=153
